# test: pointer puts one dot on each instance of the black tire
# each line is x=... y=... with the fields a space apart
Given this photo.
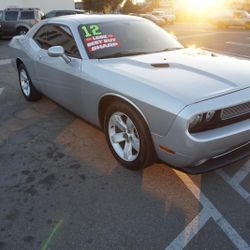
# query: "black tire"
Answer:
x=22 y=31
x=33 y=94
x=146 y=152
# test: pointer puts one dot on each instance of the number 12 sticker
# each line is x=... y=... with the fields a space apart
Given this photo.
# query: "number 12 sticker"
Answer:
x=91 y=30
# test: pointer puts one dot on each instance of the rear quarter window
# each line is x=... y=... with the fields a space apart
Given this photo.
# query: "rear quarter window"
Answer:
x=27 y=15
x=11 y=15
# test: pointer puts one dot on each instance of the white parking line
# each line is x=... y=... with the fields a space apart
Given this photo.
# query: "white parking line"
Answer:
x=247 y=45
x=209 y=211
x=1 y=90
x=190 y=231
x=227 y=53
x=236 y=180
x=5 y=61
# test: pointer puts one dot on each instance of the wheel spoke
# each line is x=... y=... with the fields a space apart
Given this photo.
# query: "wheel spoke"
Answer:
x=24 y=76
x=128 y=151
x=25 y=83
x=130 y=125
x=136 y=143
x=117 y=120
x=118 y=137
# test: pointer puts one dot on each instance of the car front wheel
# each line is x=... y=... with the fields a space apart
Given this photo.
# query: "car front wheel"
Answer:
x=128 y=136
x=27 y=87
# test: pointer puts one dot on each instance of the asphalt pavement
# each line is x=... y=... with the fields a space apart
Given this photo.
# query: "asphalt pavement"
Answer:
x=60 y=187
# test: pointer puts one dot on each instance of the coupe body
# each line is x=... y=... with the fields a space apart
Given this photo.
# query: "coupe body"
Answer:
x=153 y=98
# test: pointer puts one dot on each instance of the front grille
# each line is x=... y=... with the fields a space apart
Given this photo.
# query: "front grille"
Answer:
x=235 y=111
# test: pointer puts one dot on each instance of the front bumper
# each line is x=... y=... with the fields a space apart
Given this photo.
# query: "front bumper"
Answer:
x=208 y=150
x=240 y=153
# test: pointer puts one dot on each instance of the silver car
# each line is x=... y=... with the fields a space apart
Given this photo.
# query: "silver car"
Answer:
x=153 y=98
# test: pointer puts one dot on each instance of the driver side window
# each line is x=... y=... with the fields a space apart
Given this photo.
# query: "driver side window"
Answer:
x=57 y=35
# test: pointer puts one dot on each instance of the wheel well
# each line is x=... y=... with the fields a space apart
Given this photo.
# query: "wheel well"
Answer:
x=18 y=62
x=21 y=28
x=105 y=103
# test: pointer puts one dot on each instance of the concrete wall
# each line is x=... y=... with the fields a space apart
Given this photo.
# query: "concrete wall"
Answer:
x=45 y=5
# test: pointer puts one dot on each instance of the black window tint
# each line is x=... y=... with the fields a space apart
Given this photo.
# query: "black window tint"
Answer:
x=61 y=36
x=125 y=37
x=41 y=37
x=27 y=15
x=11 y=15
x=65 y=13
x=54 y=35
x=51 y=14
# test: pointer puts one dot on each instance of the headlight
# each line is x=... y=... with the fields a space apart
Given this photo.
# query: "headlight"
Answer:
x=210 y=115
x=204 y=121
x=195 y=120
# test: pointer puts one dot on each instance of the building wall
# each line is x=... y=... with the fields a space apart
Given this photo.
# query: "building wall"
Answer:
x=45 y=5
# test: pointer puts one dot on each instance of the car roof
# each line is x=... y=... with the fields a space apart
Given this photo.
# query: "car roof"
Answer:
x=69 y=10
x=22 y=9
x=80 y=19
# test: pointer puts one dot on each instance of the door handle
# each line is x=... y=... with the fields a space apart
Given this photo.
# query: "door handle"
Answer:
x=40 y=57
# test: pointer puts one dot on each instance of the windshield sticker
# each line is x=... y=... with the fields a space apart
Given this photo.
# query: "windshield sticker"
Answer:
x=91 y=30
x=95 y=43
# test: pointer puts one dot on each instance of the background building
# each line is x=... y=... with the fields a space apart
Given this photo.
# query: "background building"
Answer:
x=44 y=5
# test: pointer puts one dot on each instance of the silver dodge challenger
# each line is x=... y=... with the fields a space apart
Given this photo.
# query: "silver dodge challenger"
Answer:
x=154 y=99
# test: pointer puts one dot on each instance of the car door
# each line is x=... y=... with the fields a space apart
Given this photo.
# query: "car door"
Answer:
x=59 y=80
x=10 y=21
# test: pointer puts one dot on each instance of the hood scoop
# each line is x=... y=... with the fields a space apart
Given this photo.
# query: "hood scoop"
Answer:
x=160 y=65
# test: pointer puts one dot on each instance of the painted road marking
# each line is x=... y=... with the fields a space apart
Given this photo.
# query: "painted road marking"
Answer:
x=1 y=90
x=209 y=211
x=226 y=53
x=190 y=231
x=239 y=44
x=5 y=61
x=236 y=180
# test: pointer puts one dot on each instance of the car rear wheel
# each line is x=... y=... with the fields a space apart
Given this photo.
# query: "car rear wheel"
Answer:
x=22 y=31
x=27 y=87
x=128 y=136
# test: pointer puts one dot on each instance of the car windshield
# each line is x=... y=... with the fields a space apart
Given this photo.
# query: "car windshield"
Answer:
x=125 y=38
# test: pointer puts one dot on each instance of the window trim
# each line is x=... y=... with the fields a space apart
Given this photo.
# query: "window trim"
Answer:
x=63 y=25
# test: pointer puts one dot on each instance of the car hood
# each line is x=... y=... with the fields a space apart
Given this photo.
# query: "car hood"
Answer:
x=189 y=75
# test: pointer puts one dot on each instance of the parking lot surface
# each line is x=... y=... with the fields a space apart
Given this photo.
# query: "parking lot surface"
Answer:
x=60 y=187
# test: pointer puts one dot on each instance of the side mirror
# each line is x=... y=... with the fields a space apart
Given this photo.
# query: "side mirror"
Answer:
x=58 y=51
